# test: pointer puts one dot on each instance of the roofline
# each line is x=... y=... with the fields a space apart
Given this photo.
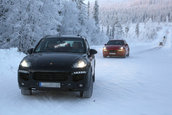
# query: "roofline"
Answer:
x=63 y=36
x=117 y=40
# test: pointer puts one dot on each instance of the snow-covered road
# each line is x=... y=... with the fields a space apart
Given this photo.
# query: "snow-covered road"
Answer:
x=138 y=85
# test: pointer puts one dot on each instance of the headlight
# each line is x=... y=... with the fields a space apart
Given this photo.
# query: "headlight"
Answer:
x=122 y=48
x=80 y=64
x=104 y=49
x=25 y=63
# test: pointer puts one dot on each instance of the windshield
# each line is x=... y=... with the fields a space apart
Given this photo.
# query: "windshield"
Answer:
x=116 y=42
x=72 y=45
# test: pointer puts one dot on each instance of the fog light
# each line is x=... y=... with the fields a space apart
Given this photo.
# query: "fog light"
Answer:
x=23 y=71
x=79 y=72
x=22 y=83
x=81 y=85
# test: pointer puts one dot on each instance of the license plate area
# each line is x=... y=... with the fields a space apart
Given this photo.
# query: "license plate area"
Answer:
x=49 y=85
x=112 y=53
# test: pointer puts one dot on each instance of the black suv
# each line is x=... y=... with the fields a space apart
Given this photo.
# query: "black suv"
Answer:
x=59 y=63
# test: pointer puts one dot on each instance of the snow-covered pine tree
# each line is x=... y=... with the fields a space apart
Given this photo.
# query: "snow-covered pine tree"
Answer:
x=96 y=13
x=108 y=31
x=113 y=31
x=28 y=21
x=5 y=8
x=167 y=19
x=117 y=32
x=102 y=30
x=137 y=30
x=82 y=11
x=138 y=11
x=126 y=31
x=88 y=9
x=150 y=30
x=23 y=23
x=70 y=21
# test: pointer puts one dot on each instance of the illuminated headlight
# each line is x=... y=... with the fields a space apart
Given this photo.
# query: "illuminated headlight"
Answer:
x=80 y=64
x=25 y=63
x=104 y=49
x=122 y=48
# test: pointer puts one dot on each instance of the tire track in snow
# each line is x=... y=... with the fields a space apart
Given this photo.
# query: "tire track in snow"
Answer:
x=147 y=50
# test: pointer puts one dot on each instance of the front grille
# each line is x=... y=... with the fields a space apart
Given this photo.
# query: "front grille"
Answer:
x=112 y=51
x=24 y=76
x=50 y=76
x=78 y=77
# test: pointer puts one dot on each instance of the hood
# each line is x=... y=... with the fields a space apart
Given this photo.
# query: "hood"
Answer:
x=113 y=47
x=53 y=61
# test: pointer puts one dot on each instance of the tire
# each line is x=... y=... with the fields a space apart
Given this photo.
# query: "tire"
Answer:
x=124 y=56
x=104 y=56
x=128 y=54
x=26 y=92
x=94 y=79
x=88 y=93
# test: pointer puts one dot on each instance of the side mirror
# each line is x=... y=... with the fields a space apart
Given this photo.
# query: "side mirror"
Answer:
x=105 y=44
x=30 y=51
x=93 y=51
x=126 y=44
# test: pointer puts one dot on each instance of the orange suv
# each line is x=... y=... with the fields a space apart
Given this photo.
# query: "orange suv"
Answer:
x=117 y=48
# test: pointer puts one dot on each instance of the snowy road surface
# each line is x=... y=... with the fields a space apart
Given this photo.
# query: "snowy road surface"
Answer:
x=138 y=85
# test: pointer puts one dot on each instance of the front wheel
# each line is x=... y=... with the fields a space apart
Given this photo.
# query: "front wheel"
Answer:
x=88 y=93
x=128 y=54
x=124 y=56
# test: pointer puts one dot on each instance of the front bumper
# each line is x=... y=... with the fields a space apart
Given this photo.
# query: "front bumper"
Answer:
x=69 y=80
x=119 y=53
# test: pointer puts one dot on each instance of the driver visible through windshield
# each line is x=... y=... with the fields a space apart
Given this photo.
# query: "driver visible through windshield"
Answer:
x=61 y=45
